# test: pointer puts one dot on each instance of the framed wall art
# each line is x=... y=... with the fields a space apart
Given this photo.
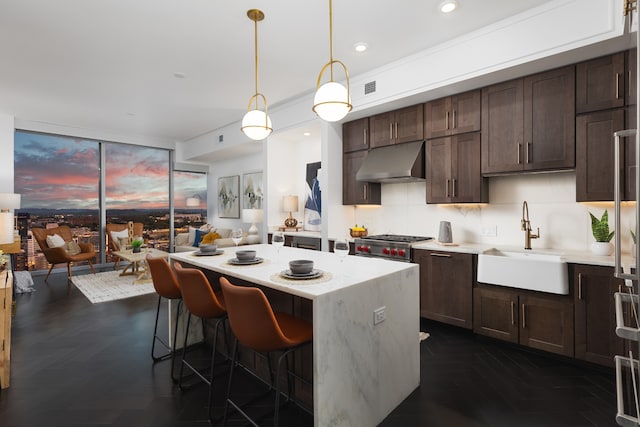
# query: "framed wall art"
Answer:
x=229 y=196
x=252 y=190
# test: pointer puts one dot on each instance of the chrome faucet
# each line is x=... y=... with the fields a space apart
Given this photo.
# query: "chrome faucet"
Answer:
x=525 y=225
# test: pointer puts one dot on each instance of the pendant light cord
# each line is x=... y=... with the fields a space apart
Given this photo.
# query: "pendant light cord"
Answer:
x=255 y=39
x=331 y=37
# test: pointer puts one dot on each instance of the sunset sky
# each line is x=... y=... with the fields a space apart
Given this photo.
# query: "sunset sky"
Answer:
x=63 y=173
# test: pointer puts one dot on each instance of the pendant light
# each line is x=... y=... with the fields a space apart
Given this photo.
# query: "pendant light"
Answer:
x=256 y=124
x=332 y=100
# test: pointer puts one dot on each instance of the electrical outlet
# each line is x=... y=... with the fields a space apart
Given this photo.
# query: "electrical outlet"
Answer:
x=489 y=230
x=379 y=315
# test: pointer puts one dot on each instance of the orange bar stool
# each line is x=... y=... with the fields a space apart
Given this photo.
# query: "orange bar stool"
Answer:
x=166 y=286
x=201 y=301
x=257 y=327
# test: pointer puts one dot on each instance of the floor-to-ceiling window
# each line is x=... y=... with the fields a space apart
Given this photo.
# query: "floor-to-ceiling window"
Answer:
x=59 y=179
x=190 y=199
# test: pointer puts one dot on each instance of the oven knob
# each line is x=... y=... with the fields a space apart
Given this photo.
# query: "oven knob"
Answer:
x=366 y=248
x=401 y=252
x=359 y=248
x=394 y=252
x=386 y=251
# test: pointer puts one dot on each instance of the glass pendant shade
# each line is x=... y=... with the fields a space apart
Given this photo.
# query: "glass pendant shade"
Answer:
x=332 y=102
x=256 y=125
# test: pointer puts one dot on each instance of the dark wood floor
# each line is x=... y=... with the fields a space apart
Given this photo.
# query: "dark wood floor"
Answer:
x=78 y=364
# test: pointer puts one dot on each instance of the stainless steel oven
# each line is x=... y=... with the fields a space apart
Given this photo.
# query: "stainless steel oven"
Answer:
x=388 y=246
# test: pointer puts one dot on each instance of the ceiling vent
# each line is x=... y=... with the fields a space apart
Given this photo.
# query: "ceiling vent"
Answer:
x=369 y=87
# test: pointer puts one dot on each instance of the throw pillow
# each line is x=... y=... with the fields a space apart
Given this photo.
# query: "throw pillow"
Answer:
x=123 y=242
x=116 y=236
x=198 y=237
x=55 y=241
x=192 y=236
x=72 y=248
x=210 y=237
x=206 y=228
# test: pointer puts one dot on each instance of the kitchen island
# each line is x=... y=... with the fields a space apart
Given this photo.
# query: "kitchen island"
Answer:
x=361 y=370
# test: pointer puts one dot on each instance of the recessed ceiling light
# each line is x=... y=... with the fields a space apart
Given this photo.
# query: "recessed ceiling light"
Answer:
x=307 y=133
x=179 y=75
x=360 y=46
x=448 y=6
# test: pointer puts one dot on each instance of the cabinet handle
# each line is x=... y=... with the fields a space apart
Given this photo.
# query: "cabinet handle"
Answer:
x=446 y=119
x=629 y=80
x=364 y=136
x=524 y=318
x=579 y=285
x=364 y=192
x=617 y=85
x=396 y=130
x=391 y=131
x=453 y=188
x=439 y=254
x=453 y=121
x=447 y=187
x=519 y=149
x=513 y=313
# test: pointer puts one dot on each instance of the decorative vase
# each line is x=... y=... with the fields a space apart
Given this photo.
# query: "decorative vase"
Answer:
x=136 y=250
x=601 y=248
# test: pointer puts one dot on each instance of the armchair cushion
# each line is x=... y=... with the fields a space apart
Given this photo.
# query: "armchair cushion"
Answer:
x=55 y=241
x=118 y=236
x=72 y=248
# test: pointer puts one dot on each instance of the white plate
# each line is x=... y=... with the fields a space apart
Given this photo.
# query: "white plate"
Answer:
x=314 y=274
x=200 y=253
x=236 y=261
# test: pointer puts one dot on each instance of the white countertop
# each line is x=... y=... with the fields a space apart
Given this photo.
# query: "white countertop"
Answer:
x=569 y=256
x=353 y=271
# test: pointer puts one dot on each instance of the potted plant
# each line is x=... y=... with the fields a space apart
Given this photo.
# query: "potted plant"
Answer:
x=136 y=244
x=600 y=230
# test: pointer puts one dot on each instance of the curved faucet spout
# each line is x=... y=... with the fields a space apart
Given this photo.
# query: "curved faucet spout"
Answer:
x=525 y=225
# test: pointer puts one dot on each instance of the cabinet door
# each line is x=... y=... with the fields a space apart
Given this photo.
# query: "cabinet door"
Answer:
x=546 y=323
x=438 y=164
x=357 y=192
x=465 y=112
x=355 y=135
x=467 y=183
x=600 y=83
x=549 y=120
x=502 y=127
x=436 y=118
x=595 y=337
x=381 y=128
x=446 y=280
x=495 y=313
x=409 y=124
x=594 y=152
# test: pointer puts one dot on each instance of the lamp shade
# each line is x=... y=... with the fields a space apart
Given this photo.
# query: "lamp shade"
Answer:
x=331 y=102
x=6 y=228
x=290 y=204
x=9 y=201
x=252 y=216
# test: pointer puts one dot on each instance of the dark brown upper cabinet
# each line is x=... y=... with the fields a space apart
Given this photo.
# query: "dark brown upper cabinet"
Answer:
x=396 y=127
x=529 y=124
x=452 y=115
x=357 y=192
x=600 y=83
x=355 y=135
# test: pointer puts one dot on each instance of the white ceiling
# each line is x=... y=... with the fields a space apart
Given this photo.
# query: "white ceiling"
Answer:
x=109 y=65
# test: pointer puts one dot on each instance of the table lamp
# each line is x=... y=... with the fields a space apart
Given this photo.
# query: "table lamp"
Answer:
x=290 y=204
x=8 y=201
x=252 y=216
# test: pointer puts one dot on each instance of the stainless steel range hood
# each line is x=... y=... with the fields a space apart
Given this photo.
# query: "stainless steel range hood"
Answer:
x=394 y=163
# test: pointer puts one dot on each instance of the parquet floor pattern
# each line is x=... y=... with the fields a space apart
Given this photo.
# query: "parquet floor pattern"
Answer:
x=78 y=364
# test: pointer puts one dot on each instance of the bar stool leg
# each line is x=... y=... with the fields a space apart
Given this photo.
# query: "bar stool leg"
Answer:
x=184 y=351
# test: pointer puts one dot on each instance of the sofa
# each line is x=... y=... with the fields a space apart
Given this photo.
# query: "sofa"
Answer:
x=184 y=242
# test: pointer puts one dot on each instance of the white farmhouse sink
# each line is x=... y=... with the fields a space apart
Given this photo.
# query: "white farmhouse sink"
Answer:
x=524 y=270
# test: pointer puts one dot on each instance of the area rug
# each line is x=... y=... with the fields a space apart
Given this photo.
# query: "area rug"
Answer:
x=110 y=286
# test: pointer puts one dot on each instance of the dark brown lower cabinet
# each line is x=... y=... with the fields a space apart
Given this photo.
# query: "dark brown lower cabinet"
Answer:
x=595 y=322
x=534 y=319
x=446 y=280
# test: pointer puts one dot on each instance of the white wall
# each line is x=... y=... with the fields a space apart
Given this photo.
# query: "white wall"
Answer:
x=564 y=224
x=6 y=160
